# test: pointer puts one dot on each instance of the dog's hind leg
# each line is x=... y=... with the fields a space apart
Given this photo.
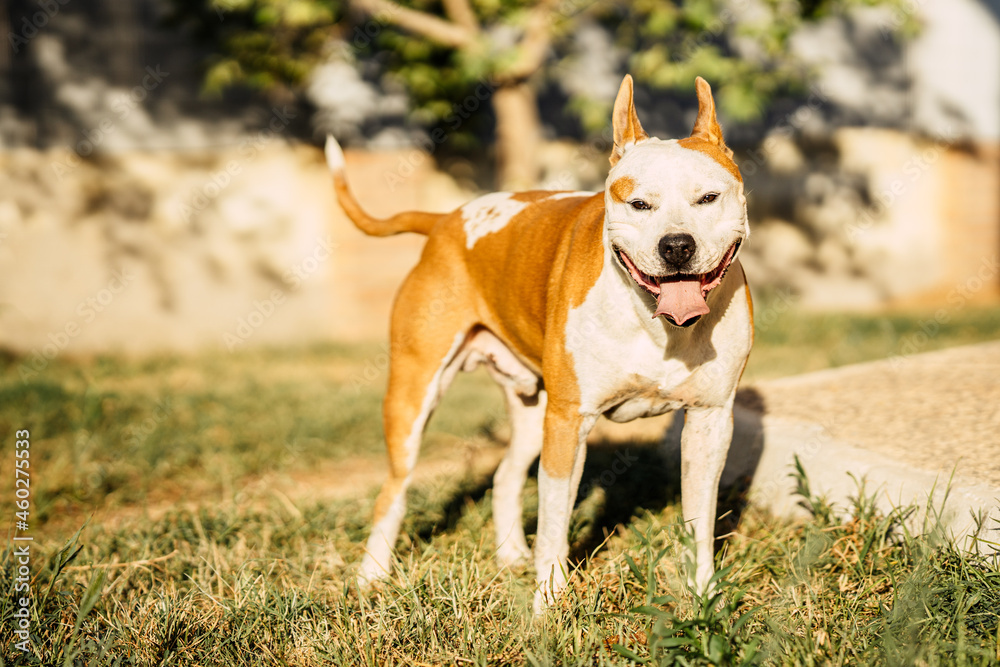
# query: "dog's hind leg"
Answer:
x=426 y=353
x=526 y=407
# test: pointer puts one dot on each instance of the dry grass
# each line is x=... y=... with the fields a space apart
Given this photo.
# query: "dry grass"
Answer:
x=222 y=504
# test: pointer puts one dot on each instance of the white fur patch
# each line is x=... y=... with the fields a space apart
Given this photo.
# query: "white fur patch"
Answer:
x=334 y=156
x=525 y=444
x=489 y=214
x=556 y=497
x=378 y=551
x=569 y=195
x=431 y=398
x=551 y=545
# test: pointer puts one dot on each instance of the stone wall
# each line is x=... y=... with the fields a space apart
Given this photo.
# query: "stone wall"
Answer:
x=872 y=218
x=142 y=251
x=150 y=251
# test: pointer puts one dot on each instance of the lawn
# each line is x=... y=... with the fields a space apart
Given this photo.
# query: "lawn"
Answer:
x=211 y=510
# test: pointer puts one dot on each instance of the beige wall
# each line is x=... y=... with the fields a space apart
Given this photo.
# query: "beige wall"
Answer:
x=183 y=251
x=933 y=232
x=169 y=251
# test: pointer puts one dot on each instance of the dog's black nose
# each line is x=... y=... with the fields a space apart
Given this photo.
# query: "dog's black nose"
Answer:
x=677 y=249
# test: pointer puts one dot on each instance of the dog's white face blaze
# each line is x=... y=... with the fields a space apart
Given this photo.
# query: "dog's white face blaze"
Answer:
x=488 y=214
x=672 y=180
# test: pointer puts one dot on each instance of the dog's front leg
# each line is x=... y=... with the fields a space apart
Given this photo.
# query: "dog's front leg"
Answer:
x=563 y=455
x=704 y=446
x=527 y=427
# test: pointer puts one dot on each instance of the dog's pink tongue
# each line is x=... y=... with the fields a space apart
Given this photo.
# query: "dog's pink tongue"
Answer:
x=681 y=300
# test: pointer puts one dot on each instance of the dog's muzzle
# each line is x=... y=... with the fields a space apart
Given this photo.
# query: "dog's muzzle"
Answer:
x=680 y=297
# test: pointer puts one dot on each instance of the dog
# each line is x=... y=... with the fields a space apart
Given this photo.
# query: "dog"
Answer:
x=625 y=303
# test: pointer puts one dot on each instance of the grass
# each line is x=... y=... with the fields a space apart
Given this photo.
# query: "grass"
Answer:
x=211 y=509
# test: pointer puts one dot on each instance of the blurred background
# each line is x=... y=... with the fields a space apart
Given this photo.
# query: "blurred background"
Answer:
x=196 y=337
x=162 y=186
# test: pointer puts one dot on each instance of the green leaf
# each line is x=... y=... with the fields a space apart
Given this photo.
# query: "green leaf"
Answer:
x=92 y=595
x=636 y=572
x=626 y=653
x=647 y=610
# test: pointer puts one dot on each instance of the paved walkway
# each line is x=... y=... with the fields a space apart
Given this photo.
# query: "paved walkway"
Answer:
x=906 y=424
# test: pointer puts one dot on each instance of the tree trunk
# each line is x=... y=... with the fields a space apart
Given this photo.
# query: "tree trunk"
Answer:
x=519 y=134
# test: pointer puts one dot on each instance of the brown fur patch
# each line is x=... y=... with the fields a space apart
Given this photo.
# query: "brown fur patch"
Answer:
x=622 y=189
x=520 y=282
x=531 y=196
x=530 y=274
x=713 y=151
x=521 y=269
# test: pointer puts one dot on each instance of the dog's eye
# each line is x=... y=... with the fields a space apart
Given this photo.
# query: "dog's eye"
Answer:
x=709 y=198
x=639 y=205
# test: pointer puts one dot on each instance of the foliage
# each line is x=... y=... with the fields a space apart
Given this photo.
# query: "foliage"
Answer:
x=274 y=44
x=712 y=634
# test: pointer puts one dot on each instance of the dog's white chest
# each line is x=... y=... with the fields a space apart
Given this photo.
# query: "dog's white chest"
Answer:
x=627 y=369
x=619 y=367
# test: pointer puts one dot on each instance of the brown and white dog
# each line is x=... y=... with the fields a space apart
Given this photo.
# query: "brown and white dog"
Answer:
x=626 y=303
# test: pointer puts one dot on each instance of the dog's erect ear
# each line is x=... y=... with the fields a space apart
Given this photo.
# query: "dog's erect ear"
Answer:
x=625 y=122
x=706 y=127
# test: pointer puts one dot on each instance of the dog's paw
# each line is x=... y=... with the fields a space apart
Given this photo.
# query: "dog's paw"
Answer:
x=371 y=572
x=513 y=554
x=547 y=590
x=545 y=598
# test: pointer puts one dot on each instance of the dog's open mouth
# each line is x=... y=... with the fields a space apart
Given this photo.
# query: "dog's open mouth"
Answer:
x=680 y=297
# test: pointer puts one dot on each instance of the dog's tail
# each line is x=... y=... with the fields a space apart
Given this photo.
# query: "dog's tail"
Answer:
x=411 y=221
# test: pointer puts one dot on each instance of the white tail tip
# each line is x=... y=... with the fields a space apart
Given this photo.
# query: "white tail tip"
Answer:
x=334 y=156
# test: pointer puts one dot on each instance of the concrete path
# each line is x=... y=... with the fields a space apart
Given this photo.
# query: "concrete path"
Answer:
x=907 y=425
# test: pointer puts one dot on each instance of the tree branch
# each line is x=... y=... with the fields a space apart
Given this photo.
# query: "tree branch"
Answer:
x=460 y=12
x=534 y=45
x=426 y=25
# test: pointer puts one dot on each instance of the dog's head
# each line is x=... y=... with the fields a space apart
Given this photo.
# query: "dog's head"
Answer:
x=675 y=210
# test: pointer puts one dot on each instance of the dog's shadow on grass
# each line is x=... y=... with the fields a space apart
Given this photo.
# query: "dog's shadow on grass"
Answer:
x=620 y=481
